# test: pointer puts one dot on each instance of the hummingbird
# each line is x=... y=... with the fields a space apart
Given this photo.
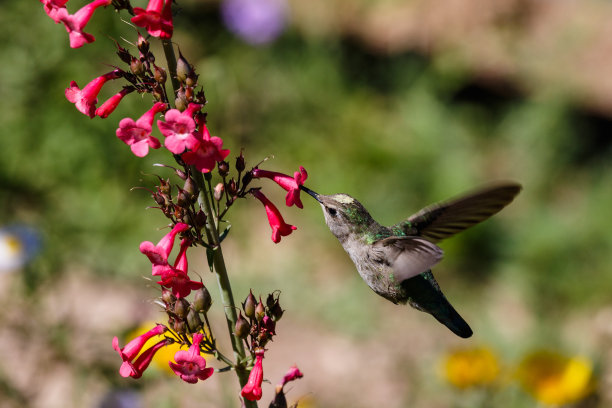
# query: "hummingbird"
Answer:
x=396 y=261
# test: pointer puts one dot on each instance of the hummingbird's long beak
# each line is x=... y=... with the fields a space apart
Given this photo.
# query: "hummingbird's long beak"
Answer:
x=310 y=192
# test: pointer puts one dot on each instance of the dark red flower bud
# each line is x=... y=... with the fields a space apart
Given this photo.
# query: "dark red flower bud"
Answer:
x=202 y=300
x=249 y=305
x=142 y=44
x=159 y=74
x=231 y=187
x=200 y=219
x=242 y=328
x=223 y=168
x=240 y=163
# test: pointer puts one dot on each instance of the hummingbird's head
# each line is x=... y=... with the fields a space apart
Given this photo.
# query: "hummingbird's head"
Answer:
x=343 y=214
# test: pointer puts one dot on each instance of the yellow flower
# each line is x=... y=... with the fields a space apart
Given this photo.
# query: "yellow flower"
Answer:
x=165 y=354
x=472 y=367
x=555 y=379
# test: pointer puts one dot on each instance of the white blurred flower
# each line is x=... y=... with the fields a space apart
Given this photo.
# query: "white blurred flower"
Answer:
x=18 y=244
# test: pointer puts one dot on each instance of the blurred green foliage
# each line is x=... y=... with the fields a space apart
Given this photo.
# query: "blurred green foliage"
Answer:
x=397 y=131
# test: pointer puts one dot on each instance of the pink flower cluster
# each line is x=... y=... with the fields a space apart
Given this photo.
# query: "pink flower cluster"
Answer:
x=292 y=185
x=190 y=366
x=173 y=277
x=185 y=135
x=156 y=18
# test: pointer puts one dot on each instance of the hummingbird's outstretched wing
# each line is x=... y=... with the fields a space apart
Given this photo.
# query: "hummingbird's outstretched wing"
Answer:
x=408 y=256
x=445 y=219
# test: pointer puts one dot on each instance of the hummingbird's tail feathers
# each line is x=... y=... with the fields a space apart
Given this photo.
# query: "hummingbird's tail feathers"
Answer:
x=443 y=220
x=451 y=319
x=424 y=294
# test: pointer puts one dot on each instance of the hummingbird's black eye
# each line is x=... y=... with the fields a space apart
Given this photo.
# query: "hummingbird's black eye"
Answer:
x=331 y=211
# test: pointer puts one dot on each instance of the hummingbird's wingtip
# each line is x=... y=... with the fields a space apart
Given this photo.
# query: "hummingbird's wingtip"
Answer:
x=310 y=192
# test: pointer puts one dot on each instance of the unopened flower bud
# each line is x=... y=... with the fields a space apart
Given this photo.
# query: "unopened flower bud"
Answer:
x=260 y=311
x=200 y=219
x=182 y=175
x=179 y=326
x=223 y=168
x=159 y=74
x=167 y=297
x=183 y=68
x=249 y=305
x=137 y=67
x=218 y=193
x=183 y=198
x=180 y=308
x=243 y=328
x=189 y=94
x=194 y=321
x=202 y=300
x=142 y=44
x=189 y=186
x=161 y=199
x=232 y=189
x=240 y=163
x=180 y=103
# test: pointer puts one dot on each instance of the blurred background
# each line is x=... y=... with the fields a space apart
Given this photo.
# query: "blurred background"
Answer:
x=398 y=103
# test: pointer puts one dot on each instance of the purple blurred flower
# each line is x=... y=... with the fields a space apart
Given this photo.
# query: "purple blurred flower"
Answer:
x=255 y=21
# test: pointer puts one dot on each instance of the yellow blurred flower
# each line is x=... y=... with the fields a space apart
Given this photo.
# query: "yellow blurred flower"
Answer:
x=473 y=367
x=165 y=354
x=555 y=379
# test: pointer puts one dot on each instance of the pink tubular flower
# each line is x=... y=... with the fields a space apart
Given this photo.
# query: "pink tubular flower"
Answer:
x=53 y=8
x=207 y=152
x=143 y=361
x=279 y=227
x=176 y=277
x=111 y=103
x=252 y=389
x=85 y=99
x=137 y=134
x=293 y=374
x=178 y=129
x=158 y=254
x=291 y=184
x=157 y=18
x=75 y=23
x=131 y=350
x=190 y=365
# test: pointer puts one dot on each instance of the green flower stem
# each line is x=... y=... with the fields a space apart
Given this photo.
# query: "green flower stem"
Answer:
x=171 y=61
x=212 y=235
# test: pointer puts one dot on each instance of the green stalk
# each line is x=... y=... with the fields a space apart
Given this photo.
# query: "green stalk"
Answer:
x=212 y=234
